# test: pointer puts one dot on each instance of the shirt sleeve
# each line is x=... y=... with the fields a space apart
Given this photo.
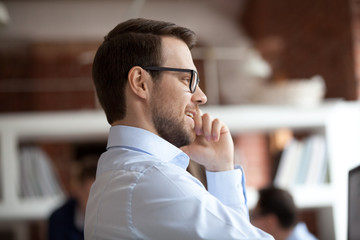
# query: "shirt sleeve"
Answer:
x=229 y=188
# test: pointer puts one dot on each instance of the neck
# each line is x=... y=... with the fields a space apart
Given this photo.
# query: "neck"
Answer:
x=138 y=113
x=136 y=121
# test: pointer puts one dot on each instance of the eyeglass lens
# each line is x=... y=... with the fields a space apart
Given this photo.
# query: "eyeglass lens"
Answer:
x=194 y=81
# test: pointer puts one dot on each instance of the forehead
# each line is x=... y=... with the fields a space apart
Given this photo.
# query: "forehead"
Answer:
x=175 y=53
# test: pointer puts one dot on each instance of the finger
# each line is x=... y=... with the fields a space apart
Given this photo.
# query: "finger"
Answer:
x=215 y=131
x=198 y=122
x=206 y=126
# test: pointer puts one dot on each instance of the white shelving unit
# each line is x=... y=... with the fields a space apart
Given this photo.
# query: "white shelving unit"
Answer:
x=339 y=121
x=16 y=128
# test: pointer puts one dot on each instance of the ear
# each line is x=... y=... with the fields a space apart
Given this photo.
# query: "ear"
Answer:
x=139 y=81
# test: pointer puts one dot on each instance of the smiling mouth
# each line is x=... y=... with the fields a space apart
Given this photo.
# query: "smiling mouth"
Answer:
x=189 y=114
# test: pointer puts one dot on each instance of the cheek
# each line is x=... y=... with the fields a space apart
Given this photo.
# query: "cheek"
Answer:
x=173 y=102
x=172 y=98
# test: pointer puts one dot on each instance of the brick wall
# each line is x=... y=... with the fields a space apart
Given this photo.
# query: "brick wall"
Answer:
x=253 y=155
x=355 y=11
x=46 y=76
x=304 y=38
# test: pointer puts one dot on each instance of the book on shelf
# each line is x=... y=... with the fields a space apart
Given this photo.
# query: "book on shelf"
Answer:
x=318 y=163
x=303 y=162
x=289 y=163
x=37 y=175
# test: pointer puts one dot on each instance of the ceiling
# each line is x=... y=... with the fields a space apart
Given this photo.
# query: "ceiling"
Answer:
x=213 y=20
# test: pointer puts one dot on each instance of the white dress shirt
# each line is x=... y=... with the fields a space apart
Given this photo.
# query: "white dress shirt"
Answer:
x=301 y=232
x=143 y=191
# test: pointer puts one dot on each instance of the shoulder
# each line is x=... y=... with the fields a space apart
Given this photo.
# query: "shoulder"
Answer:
x=66 y=210
x=301 y=232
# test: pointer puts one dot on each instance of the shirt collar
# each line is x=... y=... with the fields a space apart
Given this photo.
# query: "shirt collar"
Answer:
x=142 y=140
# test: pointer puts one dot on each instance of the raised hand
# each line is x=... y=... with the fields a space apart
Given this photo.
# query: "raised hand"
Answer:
x=213 y=147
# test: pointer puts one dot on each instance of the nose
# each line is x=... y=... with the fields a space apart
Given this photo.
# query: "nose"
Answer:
x=199 y=96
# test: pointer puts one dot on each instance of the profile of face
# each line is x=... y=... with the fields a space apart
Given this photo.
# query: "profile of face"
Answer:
x=81 y=193
x=173 y=106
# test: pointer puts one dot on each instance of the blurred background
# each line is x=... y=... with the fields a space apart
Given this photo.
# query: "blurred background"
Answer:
x=285 y=71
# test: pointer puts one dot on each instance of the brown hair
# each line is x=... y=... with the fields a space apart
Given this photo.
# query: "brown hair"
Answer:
x=136 y=42
x=279 y=202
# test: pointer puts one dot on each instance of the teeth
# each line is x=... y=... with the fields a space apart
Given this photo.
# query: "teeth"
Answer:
x=190 y=114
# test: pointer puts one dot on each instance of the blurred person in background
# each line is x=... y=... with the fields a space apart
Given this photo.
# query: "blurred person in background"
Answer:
x=67 y=222
x=277 y=214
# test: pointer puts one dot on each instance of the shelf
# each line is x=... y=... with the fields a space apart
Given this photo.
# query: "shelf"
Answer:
x=70 y=125
x=313 y=196
x=49 y=126
x=261 y=118
x=338 y=121
x=29 y=209
x=81 y=124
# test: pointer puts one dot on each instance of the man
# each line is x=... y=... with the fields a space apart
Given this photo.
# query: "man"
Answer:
x=147 y=84
x=276 y=214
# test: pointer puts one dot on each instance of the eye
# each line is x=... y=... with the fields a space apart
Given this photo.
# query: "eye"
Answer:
x=186 y=79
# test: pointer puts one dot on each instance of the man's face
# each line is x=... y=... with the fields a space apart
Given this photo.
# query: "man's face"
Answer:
x=172 y=105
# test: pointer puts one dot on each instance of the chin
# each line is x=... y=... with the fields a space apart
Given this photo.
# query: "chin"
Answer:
x=191 y=138
x=188 y=137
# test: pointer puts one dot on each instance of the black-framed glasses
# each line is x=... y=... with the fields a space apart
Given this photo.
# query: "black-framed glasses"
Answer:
x=194 y=79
